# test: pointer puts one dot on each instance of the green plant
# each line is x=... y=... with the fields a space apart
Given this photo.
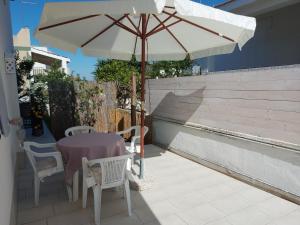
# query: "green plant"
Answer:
x=117 y=71
x=70 y=96
x=89 y=100
x=54 y=74
x=170 y=68
x=54 y=78
x=38 y=107
x=23 y=69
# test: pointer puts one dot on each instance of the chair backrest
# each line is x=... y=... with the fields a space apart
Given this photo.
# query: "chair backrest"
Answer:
x=30 y=154
x=137 y=132
x=72 y=131
x=113 y=169
x=29 y=149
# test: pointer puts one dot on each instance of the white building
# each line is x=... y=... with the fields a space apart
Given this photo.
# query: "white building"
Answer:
x=42 y=57
x=276 y=40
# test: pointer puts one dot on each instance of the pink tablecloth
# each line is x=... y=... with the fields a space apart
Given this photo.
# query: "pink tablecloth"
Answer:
x=91 y=146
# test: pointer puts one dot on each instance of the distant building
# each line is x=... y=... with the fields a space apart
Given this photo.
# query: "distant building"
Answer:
x=276 y=41
x=42 y=57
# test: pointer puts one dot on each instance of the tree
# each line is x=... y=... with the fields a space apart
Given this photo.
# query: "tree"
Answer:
x=117 y=71
x=55 y=73
x=170 y=68
x=23 y=69
x=120 y=72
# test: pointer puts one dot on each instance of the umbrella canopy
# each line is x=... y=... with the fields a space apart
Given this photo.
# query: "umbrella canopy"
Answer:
x=174 y=28
x=149 y=29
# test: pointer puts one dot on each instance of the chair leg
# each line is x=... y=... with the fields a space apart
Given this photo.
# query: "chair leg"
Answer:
x=84 y=194
x=127 y=190
x=75 y=186
x=69 y=191
x=97 y=203
x=36 y=190
x=123 y=191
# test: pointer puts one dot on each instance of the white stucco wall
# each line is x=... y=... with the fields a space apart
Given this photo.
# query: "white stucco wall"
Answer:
x=8 y=144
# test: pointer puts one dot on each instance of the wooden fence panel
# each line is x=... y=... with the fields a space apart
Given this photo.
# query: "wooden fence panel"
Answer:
x=120 y=119
x=64 y=103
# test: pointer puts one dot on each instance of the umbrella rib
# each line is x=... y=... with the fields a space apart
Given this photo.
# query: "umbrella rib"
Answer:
x=148 y=18
x=176 y=39
x=199 y=26
x=132 y=23
x=169 y=7
x=136 y=37
x=163 y=28
x=101 y=32
x=118 y=23
x=68 y=21
x=165 y=20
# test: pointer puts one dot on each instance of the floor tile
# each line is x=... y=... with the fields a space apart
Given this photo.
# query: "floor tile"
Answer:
x=188 y=201
x=169 y=220
x=35 y=214
x=248 y=216
x=219 y=222
x=155 y=211
x=291 y=219
x=66 y=207
x=254 y=195
x=183 y=193
x=40 y=222
x=230 y=204
x=276 y=207
x=79 y=217
x=201 y=215
x=121 y=219
x=113 y=208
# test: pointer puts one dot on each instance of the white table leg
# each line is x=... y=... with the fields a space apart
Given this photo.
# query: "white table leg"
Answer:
x=75 y=186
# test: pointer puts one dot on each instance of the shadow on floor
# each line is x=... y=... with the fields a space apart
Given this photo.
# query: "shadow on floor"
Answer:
x=54 y=208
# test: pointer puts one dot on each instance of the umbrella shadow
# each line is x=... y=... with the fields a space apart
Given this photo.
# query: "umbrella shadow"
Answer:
x=184 y=104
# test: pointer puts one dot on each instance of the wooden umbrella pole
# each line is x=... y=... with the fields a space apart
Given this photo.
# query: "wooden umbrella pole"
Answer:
x=143 y=68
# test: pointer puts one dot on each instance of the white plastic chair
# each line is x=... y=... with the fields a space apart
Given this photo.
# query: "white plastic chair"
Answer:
x=72 y=131
x=102 y=174
x=134 y=145
x=43 y=164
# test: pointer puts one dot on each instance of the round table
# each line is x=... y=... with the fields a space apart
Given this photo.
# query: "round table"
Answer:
x=91 y=146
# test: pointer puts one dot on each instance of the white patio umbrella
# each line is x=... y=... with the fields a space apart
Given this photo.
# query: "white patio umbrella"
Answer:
x=149 y=29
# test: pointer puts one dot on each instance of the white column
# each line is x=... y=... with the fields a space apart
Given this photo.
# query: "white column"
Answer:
x=64 y=66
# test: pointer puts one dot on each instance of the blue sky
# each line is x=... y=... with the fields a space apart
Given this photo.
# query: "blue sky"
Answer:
x=26 y=13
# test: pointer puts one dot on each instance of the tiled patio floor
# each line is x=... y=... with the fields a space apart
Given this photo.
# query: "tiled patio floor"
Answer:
x=182 y=192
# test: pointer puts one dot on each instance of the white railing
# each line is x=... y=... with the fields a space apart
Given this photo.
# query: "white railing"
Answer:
x=36 y=71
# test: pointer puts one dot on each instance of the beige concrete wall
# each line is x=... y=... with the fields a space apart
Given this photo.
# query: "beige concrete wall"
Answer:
x=245 y=122
x=22 y=42
x=8 y=143
x=263 y=103
x=22 y=38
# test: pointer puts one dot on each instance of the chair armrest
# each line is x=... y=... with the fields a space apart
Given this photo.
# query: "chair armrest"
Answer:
x=47 y=145
x=56 y=155
x=125 y=131
x=134 y=138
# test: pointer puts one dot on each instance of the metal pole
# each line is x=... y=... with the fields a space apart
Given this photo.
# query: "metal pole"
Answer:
x=133 y=102
x=143 y=67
